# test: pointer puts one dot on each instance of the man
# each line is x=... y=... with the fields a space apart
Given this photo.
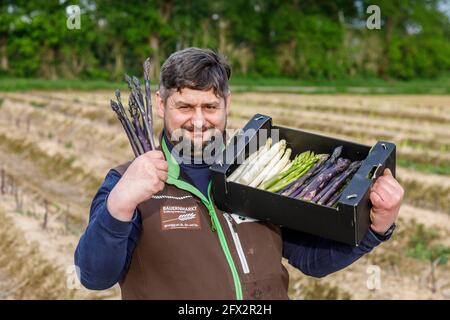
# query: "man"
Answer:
x=132 y=239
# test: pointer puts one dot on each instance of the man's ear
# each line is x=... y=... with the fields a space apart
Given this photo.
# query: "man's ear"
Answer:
x=228 y=103
x=159 y=105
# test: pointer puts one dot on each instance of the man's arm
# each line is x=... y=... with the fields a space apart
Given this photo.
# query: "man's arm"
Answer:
x=105 y=249
x=318 y=257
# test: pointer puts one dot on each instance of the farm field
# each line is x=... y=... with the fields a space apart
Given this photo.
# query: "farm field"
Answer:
x=57 y=146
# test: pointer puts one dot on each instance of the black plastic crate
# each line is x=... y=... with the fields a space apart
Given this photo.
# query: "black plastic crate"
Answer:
x=347 y=223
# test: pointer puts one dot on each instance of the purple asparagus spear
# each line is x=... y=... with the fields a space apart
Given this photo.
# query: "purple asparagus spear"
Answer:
x=334 y=199
x=135 y=144
x=323 y=178
x=138 y=100
x=332 y=160
x=336 y=153
x=335 y=179
x=307 y=182
x=286 y=188
x=327 y=187
x=136 y=124
x=335 y=184
x=148 y=100
x=299 y=182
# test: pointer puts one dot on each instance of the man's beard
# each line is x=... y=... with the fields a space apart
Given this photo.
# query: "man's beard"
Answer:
x=205 y=147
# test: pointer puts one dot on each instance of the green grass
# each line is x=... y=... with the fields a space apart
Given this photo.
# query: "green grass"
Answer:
x=68 y=145
x=356 y=81
x=355 y=85
x=252 y=83
x=21 y=84
x=426 y=168
x=38 y=105
x=424 y=245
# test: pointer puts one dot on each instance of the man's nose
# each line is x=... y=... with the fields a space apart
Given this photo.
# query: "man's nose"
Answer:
x=198 y=118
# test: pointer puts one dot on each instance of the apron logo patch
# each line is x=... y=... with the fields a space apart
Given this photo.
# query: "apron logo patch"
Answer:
x=179 y=217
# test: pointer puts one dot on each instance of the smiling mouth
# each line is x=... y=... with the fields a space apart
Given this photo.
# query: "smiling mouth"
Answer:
x=198 y=134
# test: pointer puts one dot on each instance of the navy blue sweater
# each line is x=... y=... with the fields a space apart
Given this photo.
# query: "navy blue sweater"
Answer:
x=105 y=249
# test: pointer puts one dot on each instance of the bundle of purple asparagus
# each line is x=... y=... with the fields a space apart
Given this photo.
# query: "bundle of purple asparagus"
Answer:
x=139 y=129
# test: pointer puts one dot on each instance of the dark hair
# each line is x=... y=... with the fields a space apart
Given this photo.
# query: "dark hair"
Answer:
x=195 y=68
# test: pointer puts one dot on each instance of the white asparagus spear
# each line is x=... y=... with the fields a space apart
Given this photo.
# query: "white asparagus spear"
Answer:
x=239 y=170
x=272 y=164
x=252 y=171
x=279 y=167
x=262 y=150
x=288 y=165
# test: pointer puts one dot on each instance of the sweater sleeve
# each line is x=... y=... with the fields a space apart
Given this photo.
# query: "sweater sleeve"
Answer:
x=318 y=257
x=105 y=249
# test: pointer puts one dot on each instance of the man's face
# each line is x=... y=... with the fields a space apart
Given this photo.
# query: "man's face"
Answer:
x=195 y=116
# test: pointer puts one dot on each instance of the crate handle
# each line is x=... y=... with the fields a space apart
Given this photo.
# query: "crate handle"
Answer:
x=373 y=173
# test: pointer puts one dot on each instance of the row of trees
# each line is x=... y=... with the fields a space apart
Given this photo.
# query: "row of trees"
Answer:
x=308 y=39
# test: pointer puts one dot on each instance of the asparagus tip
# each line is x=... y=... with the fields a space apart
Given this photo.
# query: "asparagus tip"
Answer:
x=128 y=80
x=114 y=105
x=147 y=65
x=136 y=82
